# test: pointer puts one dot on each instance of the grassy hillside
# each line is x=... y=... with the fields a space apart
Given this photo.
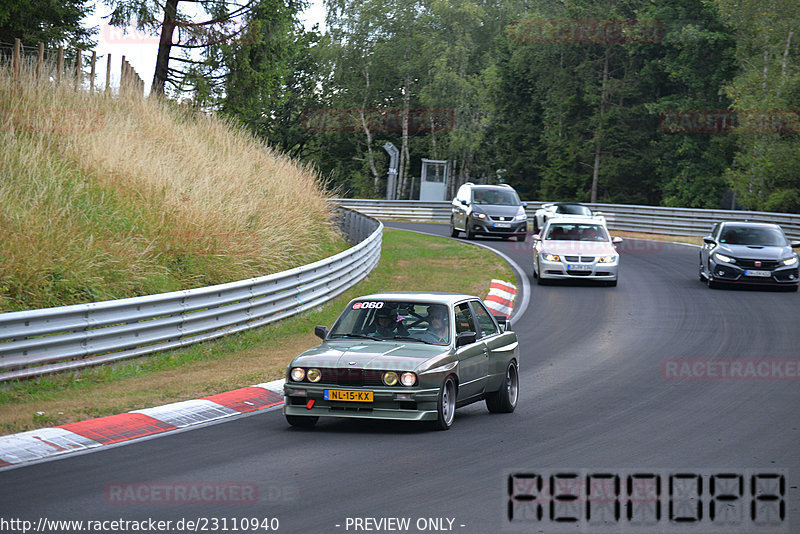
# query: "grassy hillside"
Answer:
x=105 y=198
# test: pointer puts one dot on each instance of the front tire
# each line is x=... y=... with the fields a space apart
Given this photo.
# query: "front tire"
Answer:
x=504 y=400
x=302 y=421
x=453 y=231
x=446 y=405
x=521 y=237
x=468 y=232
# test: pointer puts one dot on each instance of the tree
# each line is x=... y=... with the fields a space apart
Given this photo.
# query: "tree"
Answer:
x=51 y=22
x=222 y=23
x=272 y=77
x=766 y=95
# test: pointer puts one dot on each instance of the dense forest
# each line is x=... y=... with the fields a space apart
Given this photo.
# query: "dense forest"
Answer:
x=690 y=103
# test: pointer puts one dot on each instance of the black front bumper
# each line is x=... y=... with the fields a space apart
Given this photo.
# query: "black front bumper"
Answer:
x=727 y=272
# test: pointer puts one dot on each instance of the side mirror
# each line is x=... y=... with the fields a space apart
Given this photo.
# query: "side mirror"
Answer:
x=524 y=204
x=708 y=240
x=464 y=202
x=321 y=331
x=502 y=320
x=616 y=240
x=795 y=244
x=536 y=237
x=466 y=338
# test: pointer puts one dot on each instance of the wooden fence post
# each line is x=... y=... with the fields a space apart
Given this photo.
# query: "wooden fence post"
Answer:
x=16 y=62
x=60 y=65
x=122 y=75
x=78 y=69
x=91 y=80
x=40 y=61
x=108 y=72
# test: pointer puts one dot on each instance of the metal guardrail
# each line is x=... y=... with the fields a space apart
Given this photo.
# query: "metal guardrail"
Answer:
x=37 y=342
x=652 y=219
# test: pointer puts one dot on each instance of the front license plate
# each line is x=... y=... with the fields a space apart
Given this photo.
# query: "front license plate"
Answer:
x=347 y=395
x=579 y=267
x=502 y=225
x=757 y=273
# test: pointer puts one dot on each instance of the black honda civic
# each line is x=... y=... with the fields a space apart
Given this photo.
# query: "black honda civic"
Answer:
x=749 y=253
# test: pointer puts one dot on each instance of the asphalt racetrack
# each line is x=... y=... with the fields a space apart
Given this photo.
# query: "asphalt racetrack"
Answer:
x=614 y=382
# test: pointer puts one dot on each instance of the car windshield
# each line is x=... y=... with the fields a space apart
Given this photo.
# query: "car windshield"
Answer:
x=415 y=321
x=574 y=209
x=753 y=235
x=576 y=232
x=497 y=197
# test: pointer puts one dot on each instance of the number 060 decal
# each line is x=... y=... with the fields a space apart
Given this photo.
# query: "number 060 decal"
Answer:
x=376 y=305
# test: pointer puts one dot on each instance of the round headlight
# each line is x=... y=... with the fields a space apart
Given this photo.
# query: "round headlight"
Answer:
x=408 y=379
x=390 y=378
x=314 y=375
x=298 y=374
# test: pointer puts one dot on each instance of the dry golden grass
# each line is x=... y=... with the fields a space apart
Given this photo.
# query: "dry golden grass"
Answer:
x=114 y=197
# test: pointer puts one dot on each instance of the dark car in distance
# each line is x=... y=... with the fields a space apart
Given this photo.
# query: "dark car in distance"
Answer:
x=491 y=210
x=749 y=253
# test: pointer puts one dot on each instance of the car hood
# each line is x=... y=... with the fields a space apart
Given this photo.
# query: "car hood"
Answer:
x=350 y=354
x=583 y=248
x=749 y=252
x=494 y=210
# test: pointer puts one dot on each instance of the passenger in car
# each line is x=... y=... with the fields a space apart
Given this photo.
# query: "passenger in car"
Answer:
x=438 y=326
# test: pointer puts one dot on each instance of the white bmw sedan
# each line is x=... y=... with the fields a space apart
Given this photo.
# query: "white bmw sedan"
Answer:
x=571 y=249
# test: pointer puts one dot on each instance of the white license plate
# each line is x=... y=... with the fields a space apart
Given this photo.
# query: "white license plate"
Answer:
x=757 y=273
x=502 y=225
x=579 y=267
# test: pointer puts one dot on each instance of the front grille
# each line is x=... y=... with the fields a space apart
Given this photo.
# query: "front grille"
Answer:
x=587 y=259
x=579 y=273
x=766 y=265
x=571 y=258
x=351 y=377
x=503 y=219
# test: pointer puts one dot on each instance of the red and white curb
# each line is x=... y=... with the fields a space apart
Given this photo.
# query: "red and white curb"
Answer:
x=36 y=445
x=500 y=299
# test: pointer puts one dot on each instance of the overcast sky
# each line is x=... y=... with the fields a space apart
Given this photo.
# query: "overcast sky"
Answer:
x=140 y=49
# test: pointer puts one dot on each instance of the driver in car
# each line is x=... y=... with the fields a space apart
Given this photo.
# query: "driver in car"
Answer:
x=387 y=324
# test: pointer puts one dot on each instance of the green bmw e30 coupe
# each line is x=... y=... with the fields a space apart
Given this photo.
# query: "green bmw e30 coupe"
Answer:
x=405 y=355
